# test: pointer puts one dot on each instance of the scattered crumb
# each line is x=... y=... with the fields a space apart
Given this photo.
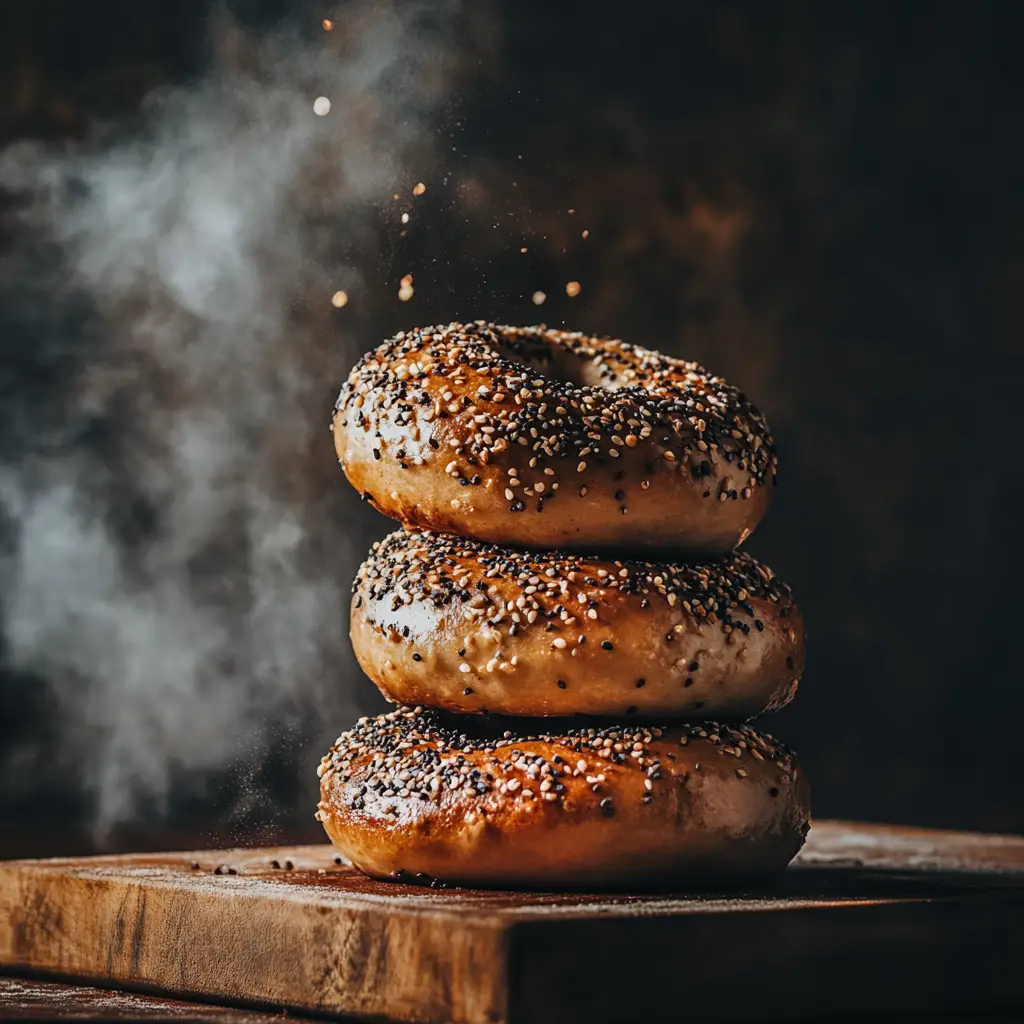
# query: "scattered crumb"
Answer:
x=419 y=188
x=405 y=290
x=339 y=299
x=572 y=289
x=327 y=24
x=405 y=218
x=586 y=234
x=539 y=298
x=523 y=249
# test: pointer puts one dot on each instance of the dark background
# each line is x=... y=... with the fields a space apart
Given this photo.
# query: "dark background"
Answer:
x=824 y=203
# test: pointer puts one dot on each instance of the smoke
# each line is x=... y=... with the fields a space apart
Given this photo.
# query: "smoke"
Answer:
x=175 y=570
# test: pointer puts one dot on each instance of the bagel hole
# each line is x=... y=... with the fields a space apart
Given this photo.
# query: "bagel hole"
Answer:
x=558 y=363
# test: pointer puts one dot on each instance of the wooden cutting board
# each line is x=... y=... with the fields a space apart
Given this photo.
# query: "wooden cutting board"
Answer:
x=870 y=919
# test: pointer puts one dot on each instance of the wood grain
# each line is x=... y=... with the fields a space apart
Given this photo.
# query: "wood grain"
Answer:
x=871 y=918
x=37 y=1000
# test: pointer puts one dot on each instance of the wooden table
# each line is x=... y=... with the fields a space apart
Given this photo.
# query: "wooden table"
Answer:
x=871 y=920
x=32 y=999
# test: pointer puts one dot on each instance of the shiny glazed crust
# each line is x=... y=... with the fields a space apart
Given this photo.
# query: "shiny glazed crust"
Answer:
x=471 y=801
x=547 y=439
x=471 y=627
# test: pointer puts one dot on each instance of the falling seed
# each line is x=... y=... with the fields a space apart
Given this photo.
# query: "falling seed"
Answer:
x=572 y=211
x=321 y=106
x=405 y=218
x=539 y=298
x=327 y=24
x=586 y=234
x=339 y=299
x=572 y=289
x=405 y=293
x=395 y=196
x=523 y=249
x=419 y=188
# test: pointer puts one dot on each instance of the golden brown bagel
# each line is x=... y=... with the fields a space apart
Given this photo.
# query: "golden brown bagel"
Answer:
x=553 y=805
x=471 y=627
x=546 y=439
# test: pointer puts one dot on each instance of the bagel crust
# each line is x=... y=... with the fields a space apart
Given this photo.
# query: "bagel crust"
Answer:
x=547 y=439
x=547 y=805
x=471 y=627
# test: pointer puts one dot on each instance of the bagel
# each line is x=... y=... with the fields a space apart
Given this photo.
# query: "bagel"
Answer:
x=471 y=627
x=539 y=438
x=547 y=805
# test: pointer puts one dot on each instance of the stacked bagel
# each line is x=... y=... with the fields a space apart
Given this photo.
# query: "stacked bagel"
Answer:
x=563 y=621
